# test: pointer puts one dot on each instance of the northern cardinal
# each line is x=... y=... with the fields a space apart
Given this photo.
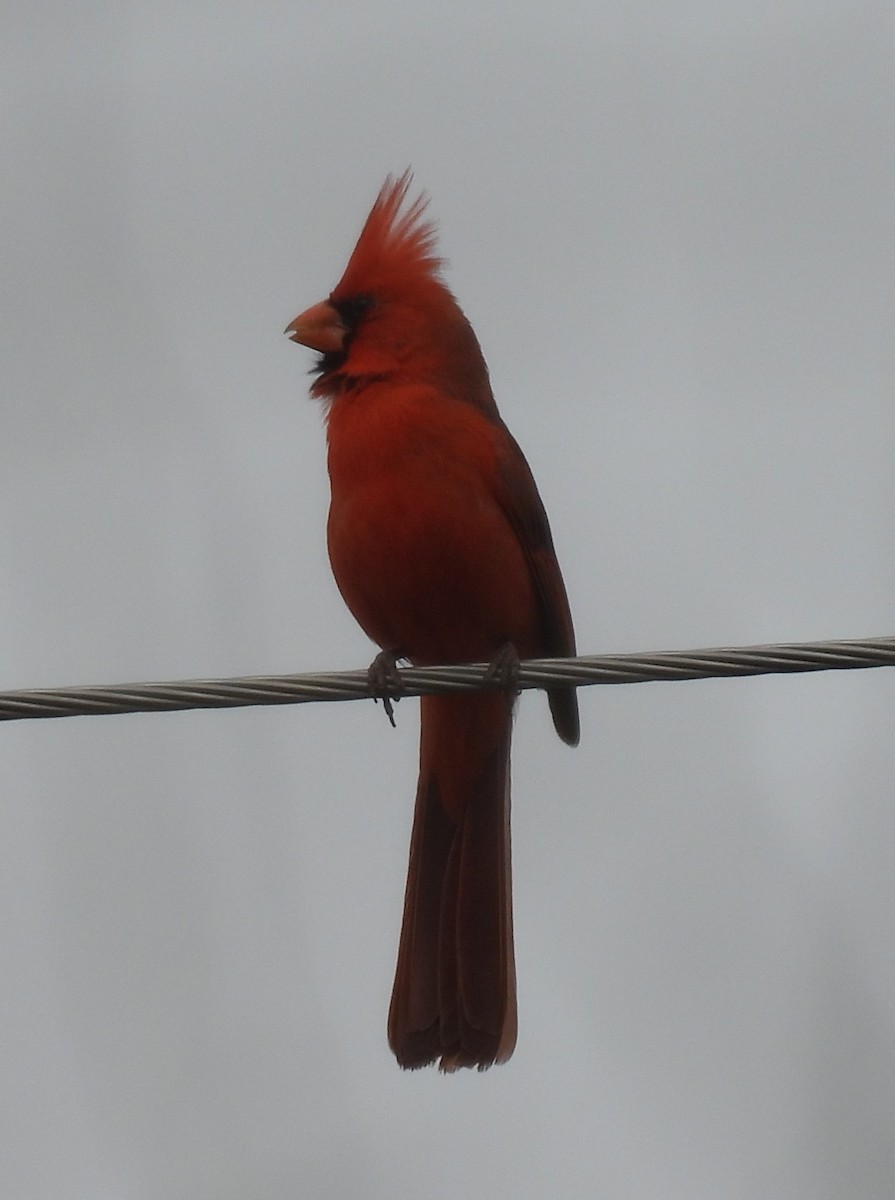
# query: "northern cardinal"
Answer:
x=440 y=546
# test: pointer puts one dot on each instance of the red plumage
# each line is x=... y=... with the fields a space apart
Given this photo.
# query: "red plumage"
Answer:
x=441 y=548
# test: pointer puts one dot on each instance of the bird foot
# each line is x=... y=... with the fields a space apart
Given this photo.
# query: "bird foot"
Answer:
x=384 y=681
x=503 y=670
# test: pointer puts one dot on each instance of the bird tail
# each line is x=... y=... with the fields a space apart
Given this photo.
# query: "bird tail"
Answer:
x=454 y=995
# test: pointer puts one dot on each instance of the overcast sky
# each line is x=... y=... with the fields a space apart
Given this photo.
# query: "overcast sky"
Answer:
x=671 y=226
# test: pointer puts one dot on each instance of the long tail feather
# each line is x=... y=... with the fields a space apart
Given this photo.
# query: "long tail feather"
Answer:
x=454 y=996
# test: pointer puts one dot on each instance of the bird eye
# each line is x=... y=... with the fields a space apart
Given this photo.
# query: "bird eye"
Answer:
x=352 y=309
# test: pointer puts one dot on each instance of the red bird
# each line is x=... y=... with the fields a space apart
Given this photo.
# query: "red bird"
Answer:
x=440 y=546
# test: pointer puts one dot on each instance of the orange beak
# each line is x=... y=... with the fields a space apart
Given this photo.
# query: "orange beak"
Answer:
x=320 y=328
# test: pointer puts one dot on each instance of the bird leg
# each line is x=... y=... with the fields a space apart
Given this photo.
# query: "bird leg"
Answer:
x=384 y=681
x=503 y=670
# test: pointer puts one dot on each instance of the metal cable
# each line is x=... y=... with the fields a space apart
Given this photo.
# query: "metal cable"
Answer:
x=416 y=681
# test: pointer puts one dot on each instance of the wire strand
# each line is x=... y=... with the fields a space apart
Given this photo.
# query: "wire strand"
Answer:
x=721 y=663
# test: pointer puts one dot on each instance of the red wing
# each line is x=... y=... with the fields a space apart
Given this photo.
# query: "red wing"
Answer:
x=518 y=497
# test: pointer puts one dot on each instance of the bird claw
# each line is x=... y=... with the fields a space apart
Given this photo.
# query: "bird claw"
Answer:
x=503 y=670
x=384 y=681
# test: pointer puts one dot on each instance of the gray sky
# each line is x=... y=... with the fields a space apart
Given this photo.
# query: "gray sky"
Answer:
x=671 y=227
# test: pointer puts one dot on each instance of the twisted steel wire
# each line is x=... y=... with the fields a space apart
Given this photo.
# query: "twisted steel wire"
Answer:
x=724 y=662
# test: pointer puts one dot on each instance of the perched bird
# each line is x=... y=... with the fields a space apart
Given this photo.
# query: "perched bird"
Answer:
x=440 y=546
